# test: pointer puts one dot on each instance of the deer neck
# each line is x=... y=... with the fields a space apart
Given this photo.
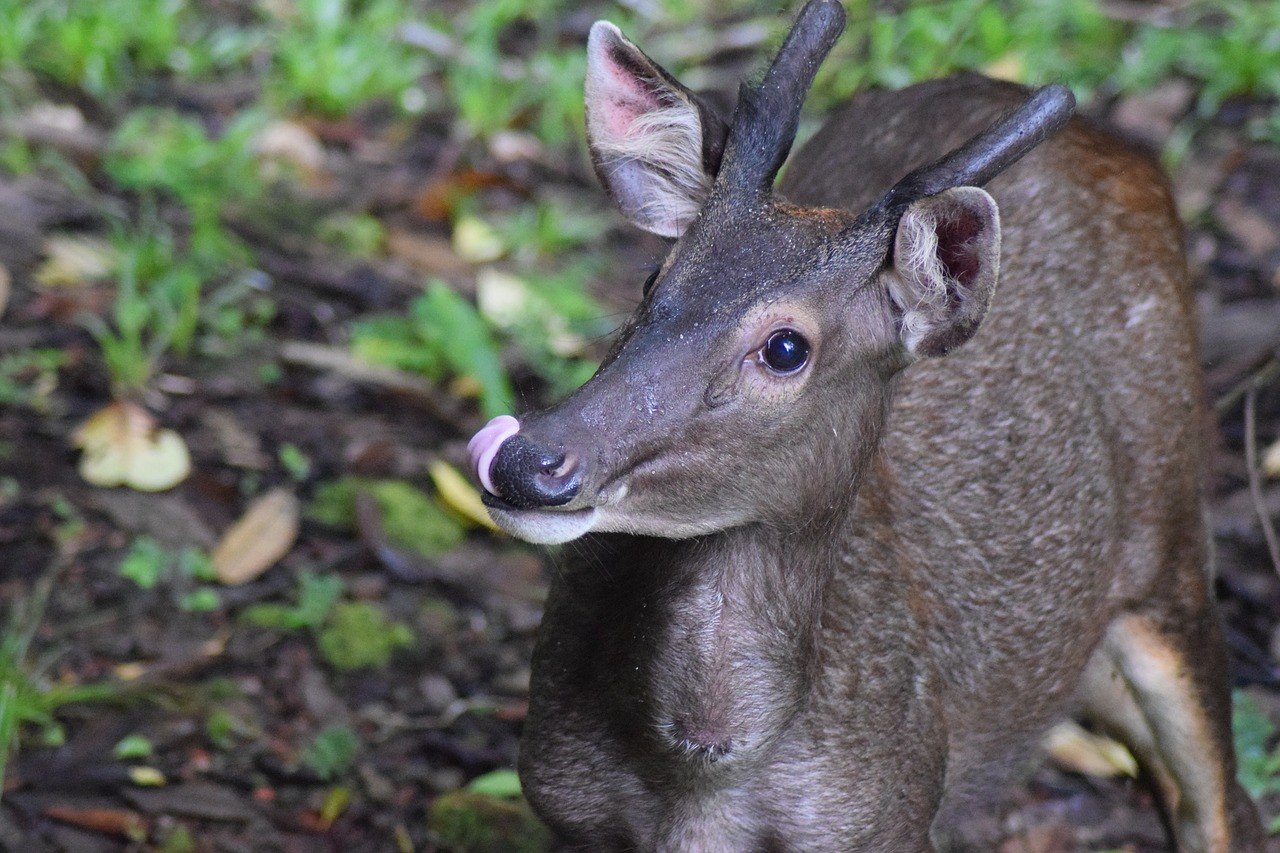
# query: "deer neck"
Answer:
x=725 y=653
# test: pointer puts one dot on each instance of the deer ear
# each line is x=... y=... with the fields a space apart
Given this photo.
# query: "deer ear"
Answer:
x=946 y=259
x=654 y=144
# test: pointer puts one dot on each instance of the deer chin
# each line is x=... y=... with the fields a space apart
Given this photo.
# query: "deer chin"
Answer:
x=543 y=526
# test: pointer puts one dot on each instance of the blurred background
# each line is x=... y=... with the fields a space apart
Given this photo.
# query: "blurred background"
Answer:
x=266 y=264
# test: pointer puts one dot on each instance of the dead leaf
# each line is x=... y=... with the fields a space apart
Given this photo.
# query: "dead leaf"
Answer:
x=1271 y=460
x=146 y=777
x=6 y=288
x=122 y=447
x=1250 y=229
x=285 y=147
x=502 y=298
x=256 y=542
x=508 y=146
x=116 y=822
x=240 y=447
x=475 y=240
x=429 y=255
x=1012 y=66
x=459 y=495
x=1080 y=751
x=437 y=200
x=72 y=260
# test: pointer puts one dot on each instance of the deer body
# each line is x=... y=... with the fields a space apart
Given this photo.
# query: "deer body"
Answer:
x=855 y=637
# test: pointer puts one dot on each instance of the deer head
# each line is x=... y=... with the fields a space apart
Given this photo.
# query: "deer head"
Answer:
x=751 y=384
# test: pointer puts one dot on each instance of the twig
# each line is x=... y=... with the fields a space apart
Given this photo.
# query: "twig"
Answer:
x=341 y=362
x=1255 y=480
x=1264 y=375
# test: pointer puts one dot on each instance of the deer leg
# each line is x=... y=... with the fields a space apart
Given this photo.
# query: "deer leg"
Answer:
x=1109 y=703
x=1179 y=721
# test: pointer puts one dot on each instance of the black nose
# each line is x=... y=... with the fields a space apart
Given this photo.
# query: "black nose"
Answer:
x=527 y=476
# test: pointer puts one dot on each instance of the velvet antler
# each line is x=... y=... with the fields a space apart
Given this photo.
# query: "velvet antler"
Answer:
x=764 y=125
x=990 y=152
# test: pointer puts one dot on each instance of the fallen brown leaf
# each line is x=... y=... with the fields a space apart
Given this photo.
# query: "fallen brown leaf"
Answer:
x=436 y=201
x=117 y=822
x=428 y=255
x=263 y=535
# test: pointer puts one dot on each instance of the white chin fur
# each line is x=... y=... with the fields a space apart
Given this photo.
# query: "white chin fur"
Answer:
x=545 y=527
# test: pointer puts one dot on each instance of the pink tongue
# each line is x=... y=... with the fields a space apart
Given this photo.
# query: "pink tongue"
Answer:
x=484 y=446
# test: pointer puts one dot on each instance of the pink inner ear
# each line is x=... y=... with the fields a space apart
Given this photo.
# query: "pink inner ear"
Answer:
x=617 y=115
x=621 y=96
x=957 y=247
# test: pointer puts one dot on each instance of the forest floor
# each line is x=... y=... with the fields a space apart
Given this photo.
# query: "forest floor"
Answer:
x=212 y=722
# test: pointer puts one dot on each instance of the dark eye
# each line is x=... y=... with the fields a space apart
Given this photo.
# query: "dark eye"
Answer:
x=648 y=282
x=786 y=351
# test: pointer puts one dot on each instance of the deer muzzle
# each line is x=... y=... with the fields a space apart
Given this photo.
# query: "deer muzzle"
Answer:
x=526 y=485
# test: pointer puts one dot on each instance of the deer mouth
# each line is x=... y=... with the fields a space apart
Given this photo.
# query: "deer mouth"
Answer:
x=543 y=525
x=532 y=492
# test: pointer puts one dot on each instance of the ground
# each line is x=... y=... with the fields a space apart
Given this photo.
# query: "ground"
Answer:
x=339 y=697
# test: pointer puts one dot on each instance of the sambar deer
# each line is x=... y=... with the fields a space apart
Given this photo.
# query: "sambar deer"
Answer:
x=862 y=526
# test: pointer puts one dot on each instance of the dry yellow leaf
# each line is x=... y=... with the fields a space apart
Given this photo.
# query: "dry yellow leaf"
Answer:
x=475 y=240
x=73 y=260
x=256 y=542
x=130 y=671
x=502 y=298
x=1271 y=460
x=1080 y=751
x=459 y=495
x=1012 y=66
x=122 y=447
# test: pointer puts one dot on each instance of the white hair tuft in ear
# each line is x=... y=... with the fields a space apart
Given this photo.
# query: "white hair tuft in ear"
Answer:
x=667 y=145
x=930 y=288
x=645 y=133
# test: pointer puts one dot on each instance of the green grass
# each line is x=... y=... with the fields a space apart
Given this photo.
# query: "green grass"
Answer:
x=28 y=698
x=350 y=635
x=332 y=57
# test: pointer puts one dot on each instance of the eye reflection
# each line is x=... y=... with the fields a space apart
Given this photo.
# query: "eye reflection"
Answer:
x=785 y=352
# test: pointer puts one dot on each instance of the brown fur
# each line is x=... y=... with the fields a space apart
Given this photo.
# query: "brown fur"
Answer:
x=856 y=599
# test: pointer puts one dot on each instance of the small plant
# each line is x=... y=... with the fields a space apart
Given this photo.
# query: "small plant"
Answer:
x=360 y=636
x=350 y=635
x=145 y=563
x=494 y=91
x=98 y=47
x=332 y=753
x=148 y=564
x=27 y=696
x=133 y=747
x=297 y=463
x=411 y=519
x=316 y=596
x=29 y=378
x=331 y=56
x=443 y=336
x=357 y=234
x=1232 y=46
x=160 y=279
x=1257 y=753
x=162 y=153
